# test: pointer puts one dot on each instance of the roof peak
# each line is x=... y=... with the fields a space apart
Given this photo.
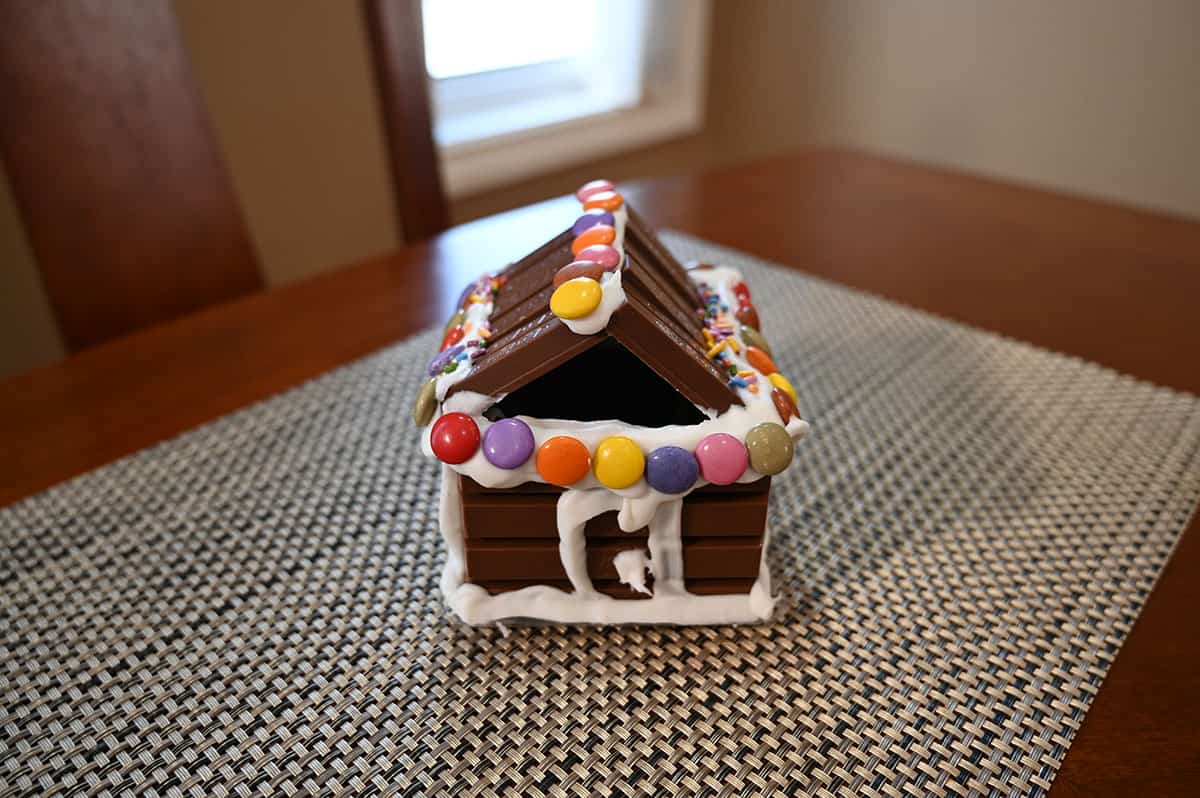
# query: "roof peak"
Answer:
x=659 y=317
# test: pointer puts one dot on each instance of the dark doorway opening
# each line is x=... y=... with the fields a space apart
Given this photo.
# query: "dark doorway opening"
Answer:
x=606 y=382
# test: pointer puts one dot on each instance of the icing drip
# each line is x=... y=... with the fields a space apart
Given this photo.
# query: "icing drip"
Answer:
x=666 y=548
x=575 y=509
x=631 y=565
x=648 y=508
x=474 y=605
x=450 y=515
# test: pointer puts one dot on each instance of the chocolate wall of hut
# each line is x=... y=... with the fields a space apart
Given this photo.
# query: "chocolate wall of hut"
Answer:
x=511 y=539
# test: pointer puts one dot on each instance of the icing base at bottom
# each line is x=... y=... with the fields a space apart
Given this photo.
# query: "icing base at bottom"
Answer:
x=476 y=606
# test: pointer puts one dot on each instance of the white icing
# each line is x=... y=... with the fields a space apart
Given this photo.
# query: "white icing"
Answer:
x=613 y=295
x=722 y=279
x=631 y=565
x=666 y=548
x=637 y=506
x=669 y=603
x=478 y=315
x=575 y=509
x=542 y=602
x=450 y=517
x=736 y=421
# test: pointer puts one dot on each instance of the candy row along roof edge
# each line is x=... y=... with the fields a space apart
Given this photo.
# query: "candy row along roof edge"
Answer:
x=457 y=434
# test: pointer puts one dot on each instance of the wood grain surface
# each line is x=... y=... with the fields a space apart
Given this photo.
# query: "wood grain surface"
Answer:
x=1114 y=285
x=115 y=166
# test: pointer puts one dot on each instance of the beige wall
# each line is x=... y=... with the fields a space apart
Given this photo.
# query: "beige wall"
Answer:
x=1095 y=97
x=1090 y=96
x=289 y=87
x=1098 y=97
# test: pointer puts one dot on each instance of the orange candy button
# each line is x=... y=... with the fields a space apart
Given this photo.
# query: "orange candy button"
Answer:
x=563 y=461
x=600 y=234
x=608 y=200
x=760 y=360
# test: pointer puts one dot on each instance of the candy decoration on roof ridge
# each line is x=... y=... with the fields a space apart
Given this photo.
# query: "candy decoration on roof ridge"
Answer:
x=604 y=200
x=592 y=187
x=593 y=236
x=784 y=405
x=781 y=382
x=603 y=254
x=753 y=337
x=660 y=483
x=578 y=268
x=590 y=219
x=598 y=238
x=576 y=298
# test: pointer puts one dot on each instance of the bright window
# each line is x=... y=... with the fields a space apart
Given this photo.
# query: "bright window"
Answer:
x=502 y=67
x=466 y=37
x=521 y=86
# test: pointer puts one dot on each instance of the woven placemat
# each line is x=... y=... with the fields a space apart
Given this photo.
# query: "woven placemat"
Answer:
x=252 y=608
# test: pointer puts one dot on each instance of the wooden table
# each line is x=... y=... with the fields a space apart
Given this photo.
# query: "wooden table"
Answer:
x=1110 y=284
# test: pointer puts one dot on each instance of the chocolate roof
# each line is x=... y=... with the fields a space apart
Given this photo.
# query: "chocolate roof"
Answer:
x=660 y=323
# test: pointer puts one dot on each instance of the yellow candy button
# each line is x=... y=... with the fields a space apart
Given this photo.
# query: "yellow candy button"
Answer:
x=575 y=298
x=618 y=462
x=780 y=382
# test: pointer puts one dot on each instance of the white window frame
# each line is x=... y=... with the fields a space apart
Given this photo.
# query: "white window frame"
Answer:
x=671 y=105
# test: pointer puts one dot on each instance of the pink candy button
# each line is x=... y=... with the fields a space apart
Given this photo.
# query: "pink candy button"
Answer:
x=723 y=458
x=594 y=187
x=603 y=254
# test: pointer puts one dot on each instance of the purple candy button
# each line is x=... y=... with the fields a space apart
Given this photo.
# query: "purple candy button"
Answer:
x=592 y=218
x=671 y=469
x=606 y=256
x=508 y=443
x=443 y=358
x=466 y=292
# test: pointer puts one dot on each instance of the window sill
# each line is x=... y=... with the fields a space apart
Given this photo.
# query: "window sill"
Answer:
x=474 y=167
x=672 y=105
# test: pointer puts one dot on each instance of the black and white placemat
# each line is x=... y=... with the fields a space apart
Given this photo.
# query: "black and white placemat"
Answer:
x=252 y=608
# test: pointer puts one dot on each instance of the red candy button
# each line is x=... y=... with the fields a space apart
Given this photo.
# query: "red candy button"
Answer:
x=454 y=438
x=742 y=293
x=454 y=336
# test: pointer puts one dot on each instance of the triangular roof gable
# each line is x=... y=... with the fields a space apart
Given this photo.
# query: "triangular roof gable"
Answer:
x=659 y=323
